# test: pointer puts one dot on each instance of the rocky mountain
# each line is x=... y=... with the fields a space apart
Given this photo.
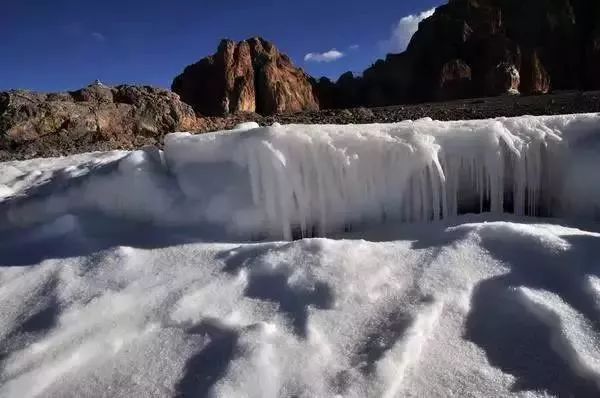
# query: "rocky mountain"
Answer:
x=249 y=76
x=473 y=48
x=95 y=117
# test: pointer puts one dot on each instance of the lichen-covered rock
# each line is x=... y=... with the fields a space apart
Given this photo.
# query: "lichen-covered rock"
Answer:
x=249 y=76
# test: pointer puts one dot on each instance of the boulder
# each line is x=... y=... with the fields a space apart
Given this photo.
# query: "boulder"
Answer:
x=249 y=76
x=96 y=92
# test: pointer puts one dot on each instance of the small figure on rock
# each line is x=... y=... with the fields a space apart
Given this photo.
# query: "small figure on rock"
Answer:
x=98 y=83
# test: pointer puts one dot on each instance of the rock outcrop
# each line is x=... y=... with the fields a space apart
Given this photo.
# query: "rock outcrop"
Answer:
x=249 y=76
x=509 y=46
x=455 y=80
x=54 y=144
x=535 y=79
x=503 y=79
x=119 y=117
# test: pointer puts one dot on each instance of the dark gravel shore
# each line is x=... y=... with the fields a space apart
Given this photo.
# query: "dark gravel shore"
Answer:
x=480 y=108
x=468 y=109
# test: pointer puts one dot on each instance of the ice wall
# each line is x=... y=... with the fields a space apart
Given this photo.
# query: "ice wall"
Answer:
x=313 y=179
x=306 y=180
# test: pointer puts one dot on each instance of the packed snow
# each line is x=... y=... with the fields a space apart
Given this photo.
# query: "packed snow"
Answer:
x=174 y=273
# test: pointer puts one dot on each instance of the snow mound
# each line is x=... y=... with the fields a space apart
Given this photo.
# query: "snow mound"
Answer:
x=476 y=309
x=312 y=180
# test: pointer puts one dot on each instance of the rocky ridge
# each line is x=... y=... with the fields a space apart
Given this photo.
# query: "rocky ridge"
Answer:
x=474 y=48
x=58 y=142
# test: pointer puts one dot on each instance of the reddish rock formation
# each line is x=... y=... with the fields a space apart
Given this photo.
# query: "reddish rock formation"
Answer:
x=249 y=76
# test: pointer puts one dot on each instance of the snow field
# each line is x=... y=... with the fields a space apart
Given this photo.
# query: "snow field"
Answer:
x=481 y=308
x=153 y=273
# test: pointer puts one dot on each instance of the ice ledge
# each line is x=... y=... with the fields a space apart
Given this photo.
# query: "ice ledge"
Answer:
x=305 y=180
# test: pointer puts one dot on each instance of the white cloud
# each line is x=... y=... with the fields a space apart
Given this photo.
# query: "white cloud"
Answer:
x=98 y=36
x=328 y=56
x=403 y=31
x=354 y=47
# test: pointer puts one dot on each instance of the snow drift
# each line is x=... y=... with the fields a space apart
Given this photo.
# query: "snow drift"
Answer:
x=311 y=180
x=476 y=309
x=111 y=284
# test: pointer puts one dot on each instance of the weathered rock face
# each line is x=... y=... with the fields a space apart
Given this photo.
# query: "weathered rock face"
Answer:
x=455 y=80
x=503 y=79
x=121 y=116
x=249 y=76
x=592 y=53
x=551 y=44
x=593 y=67
x=325 y=91
x=535 y=79
x=220 y=83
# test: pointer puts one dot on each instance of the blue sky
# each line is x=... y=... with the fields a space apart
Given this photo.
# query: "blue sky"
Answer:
x=52 y=45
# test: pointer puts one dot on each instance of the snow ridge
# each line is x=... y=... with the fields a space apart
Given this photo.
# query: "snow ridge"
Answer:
x=311 y=180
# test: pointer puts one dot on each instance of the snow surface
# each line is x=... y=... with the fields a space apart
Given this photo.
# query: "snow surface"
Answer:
x=133 y=274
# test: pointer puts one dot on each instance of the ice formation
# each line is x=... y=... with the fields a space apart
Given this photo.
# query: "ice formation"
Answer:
x=321 y=178
x=308 y=180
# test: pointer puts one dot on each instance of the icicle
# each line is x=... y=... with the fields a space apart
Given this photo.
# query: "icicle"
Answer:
x=254 y=171
x=321 y=178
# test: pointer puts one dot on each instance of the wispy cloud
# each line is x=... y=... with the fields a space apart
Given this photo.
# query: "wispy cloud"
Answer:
x=328 y=56
x=99 y=37
x=354 y=47
x=403 y=31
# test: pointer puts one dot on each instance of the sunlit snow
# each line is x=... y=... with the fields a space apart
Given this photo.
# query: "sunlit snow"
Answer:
x=171 y=273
